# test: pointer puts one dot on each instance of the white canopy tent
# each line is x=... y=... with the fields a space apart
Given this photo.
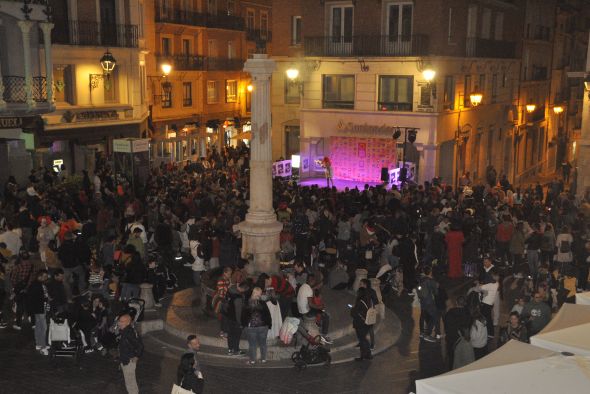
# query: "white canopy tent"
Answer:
x=514 y=368
x=567 y=331
x=583 y=298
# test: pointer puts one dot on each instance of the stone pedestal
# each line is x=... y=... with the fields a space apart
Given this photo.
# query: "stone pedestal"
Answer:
x=358 y=275
x=583 y=143
x=310 y=325
x=260 y=231
x=147 y=295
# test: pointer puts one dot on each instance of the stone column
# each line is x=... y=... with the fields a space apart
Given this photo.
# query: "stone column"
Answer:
x=376 y=285
x=46 y=27
x=25 y=28
x=583 y=144
x=359 y=274
x=260 y=230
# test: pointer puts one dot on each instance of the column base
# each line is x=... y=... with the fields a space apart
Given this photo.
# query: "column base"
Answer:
x=260 y=245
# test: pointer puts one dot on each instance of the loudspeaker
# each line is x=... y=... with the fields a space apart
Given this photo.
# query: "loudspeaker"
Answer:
x=385 y=174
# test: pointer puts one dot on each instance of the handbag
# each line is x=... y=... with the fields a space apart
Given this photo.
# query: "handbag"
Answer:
x=176 y=389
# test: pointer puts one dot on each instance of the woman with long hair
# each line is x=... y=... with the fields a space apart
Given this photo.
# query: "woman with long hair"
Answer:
x=256 y=321
x=187 y=376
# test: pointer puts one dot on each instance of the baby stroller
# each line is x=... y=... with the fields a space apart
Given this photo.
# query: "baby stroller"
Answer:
x=313 y=350
x=391 y=279
x=64 y=341
x=134 y=308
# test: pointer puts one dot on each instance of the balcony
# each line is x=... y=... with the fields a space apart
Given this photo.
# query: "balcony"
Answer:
x=356 y=46
x=15 y=91
x=200 y=63
x=184 y=62
x=181 y=17
x=258 y=35
x=94 y=34
x=482 y=47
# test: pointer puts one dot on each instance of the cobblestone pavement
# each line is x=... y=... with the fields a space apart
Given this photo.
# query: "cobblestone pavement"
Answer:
x=23 y=371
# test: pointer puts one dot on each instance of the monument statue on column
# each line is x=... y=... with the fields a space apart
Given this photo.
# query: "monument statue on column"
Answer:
x=260 y=231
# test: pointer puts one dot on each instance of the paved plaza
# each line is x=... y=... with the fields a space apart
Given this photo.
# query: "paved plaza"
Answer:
x=394 y=371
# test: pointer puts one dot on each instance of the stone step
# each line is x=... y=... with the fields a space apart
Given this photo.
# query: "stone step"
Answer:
x=344 y=349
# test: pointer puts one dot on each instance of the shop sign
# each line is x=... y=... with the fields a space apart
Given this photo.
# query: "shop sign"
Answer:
x=11 y=123
x=122 y=145
x=364 y=129
x=88 y=116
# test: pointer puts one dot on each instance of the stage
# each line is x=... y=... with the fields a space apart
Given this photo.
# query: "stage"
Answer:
x=340 y=184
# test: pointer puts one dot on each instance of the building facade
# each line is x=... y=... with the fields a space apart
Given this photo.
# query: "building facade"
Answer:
x=207 y=100
x=93 y=107
x=25 y=34
x=361 y=74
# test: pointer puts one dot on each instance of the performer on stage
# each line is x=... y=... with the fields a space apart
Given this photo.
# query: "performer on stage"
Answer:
x=327 y=164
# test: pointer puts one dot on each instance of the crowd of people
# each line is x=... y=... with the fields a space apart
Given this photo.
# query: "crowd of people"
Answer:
x=83 y=245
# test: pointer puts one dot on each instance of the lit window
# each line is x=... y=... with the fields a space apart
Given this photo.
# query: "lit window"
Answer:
x=231 y=91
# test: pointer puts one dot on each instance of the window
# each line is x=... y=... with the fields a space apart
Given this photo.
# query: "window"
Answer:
x=167 y=98
x=166 y=46
x=212 y=48
x=486 y=23
x=186 y=47
x=291 y=141
x=494 y=87
x=338 y=91
x=395 y=93
x=231 y=7
x=231 y=91
x=63 y=83
x=341 y=24
x=250 y=19
x=142 y=83
x=399 y=22
x=450 y=33
x=165 y=8
x=449 y=93
x=482 y=84
x=187 y=94
x=231 y=50
x=186 y=5
x=212 y=7
x=467 y=91
x=111 y=87
x=212 y=95
x=263 y=22
x=426 y=90
x=292 y=95
x=296 y=30
x=140 y=22
x=499 y=27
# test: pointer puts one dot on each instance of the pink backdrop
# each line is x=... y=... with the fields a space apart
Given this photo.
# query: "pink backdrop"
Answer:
x=361 y=159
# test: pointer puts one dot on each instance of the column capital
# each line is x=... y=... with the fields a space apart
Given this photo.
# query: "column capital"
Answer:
x=46 y=27
x=25 y=26
x=260 y=66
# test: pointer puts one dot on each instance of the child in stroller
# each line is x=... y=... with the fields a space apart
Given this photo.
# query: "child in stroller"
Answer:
x=93 y=320
x=313 y=350
x=64 y=340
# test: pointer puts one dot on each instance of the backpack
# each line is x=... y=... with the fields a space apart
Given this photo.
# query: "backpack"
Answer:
x=371 y=315
x=565 y=247
x=423 y=292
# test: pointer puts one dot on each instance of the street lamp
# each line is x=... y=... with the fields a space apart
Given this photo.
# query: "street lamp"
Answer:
x=166 y=69
x=558 y=109
x=530 y=108
x=107 y=63
x=428 y=74
x=475 y=98
x=250 y=88
x=292 y=73
x=165 y=85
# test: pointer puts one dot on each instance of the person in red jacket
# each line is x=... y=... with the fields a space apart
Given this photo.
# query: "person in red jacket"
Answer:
x=503 y=235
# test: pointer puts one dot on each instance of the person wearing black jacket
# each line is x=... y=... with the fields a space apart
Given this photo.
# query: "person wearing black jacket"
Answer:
x=130 y=349
x=134 y=274
x=256 y=321
x=57 y=292
x=68 y=255
x=359 y=314
x=455 y=319
x=188 y=377
x=231 y=310
x=37 y=305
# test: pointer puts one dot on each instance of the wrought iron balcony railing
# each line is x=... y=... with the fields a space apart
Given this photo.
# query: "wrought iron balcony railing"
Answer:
x=95 y=34
x=200 y=63
x=258 y=35
x=15 y=89
x=481 y=47
x=345 y=46
x=182 y=17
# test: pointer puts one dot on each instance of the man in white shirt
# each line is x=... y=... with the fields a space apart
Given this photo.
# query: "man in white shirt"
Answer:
x=304 y=296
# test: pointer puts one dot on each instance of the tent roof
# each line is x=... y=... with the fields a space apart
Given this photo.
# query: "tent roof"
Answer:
x=511 y=353
x=546 y=375
x=571 y=339
x=569 y=315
